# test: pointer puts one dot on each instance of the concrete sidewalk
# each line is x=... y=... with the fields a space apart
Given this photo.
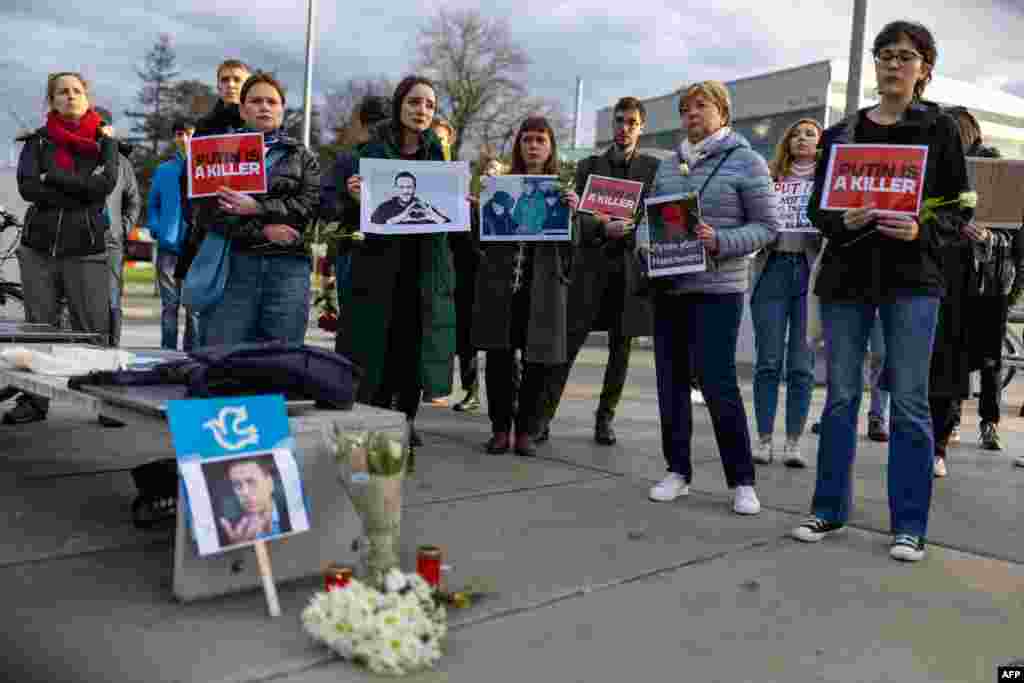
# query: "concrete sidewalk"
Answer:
x=595 y=583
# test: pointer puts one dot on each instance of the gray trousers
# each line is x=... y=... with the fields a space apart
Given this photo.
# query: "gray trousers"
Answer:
x=83 y=281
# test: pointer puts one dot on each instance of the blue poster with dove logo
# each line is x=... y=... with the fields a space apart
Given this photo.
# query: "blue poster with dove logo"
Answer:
x=241 y=483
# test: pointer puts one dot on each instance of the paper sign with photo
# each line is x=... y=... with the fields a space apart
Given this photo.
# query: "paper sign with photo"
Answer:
x=1000 y=187
x=611 y=196
x=889 y=177
x=523 y=208
x=413 y=197
x=793 y=200
x=236 y=161
x=669 y=238
x=240 y=481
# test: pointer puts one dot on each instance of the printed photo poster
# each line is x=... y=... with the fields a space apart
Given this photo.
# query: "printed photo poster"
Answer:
x=235 y=161
x=1000 y=187
x=611 y=196
x=793 y=200
x=889 y=176
x=523 y=208
x=672 y=245
x=241 y=483
x=414 y=197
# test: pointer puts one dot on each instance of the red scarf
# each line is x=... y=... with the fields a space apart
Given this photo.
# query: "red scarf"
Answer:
x=73 y=138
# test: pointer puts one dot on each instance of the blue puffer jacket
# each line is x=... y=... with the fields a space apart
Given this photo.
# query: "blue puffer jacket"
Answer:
x=739 y=203
x=165 y=218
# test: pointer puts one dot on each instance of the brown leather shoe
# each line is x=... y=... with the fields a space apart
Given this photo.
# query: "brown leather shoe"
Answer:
x=499 y=443
x=525 y=446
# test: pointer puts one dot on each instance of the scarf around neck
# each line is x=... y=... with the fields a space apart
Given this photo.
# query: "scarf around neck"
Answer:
x=73 y=138
x=692 y=152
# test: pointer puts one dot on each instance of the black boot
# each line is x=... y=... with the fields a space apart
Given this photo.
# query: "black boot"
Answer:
x=603 y=432
x=469 y=404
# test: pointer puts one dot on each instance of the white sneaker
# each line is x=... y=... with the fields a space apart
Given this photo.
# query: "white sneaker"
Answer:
x=763 y=453
x=791 y=455
x=697 y=398
x=669 y=488
x=746 y=502
x=939 y=468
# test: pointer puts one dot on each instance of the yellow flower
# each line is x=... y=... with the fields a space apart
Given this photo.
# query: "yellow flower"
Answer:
x=969 y=200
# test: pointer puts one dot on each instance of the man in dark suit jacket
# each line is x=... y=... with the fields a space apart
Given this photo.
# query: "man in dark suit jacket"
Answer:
x=605 y=274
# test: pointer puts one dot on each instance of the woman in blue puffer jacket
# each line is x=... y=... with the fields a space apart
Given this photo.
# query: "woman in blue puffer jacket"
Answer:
x=697 y=315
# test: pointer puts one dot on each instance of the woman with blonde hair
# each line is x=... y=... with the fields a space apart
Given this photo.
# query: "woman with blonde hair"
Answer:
x=779 y=285
x=697 y=315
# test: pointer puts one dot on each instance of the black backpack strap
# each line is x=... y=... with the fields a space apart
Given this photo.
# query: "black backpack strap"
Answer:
x=714 y=171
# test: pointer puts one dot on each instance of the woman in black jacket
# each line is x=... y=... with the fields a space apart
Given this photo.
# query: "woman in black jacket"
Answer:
x=992 y=276
x=893 y=266
x=66 y=170
x=267 y=292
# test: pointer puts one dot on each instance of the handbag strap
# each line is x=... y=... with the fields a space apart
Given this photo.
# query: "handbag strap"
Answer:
x=714 y=171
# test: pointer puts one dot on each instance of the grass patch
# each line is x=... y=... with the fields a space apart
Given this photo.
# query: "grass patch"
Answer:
x=139 y=276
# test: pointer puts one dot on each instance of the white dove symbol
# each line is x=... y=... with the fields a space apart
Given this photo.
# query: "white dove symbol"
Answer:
x=235 y=418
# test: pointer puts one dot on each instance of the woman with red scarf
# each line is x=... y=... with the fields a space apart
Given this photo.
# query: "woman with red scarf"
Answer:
x=66 y=170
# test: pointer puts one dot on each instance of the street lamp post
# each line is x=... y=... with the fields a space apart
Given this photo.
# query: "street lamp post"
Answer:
x=853 y=80
x=307 y=106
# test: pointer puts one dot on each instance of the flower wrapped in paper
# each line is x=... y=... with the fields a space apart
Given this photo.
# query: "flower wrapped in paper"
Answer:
x=372 y=466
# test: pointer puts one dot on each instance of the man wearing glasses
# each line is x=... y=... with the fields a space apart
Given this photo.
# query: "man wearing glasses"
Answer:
x=605 y=275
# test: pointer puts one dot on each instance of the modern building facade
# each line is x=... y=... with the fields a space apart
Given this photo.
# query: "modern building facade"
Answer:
x=765 y=105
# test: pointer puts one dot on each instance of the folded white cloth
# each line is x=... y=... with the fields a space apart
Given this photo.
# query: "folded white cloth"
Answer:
x=66 y=360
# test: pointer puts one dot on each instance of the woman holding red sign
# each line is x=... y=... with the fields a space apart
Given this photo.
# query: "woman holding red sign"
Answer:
x=891 y=265
x=266 y=296
x=779 y=277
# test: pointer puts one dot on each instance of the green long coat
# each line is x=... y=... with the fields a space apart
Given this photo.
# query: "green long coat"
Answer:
x=366 y=307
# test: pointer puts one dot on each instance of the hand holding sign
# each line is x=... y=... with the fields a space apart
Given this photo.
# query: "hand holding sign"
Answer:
x=237 y=203
x=906 y=229
x=571 y=199
x=857 y=219
x=706 y=234
x=354 y=185
x=616 y=230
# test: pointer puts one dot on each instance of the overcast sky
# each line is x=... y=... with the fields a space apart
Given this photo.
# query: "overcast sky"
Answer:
x=638 y=47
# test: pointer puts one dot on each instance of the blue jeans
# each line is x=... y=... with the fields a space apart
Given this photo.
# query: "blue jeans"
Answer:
x=778 y=303
x=266 y=298
x=908 y=325
x=170 y=301
x=879 y=396
x=706 y=326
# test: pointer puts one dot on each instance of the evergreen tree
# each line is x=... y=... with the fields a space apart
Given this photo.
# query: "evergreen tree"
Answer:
x=153 y=119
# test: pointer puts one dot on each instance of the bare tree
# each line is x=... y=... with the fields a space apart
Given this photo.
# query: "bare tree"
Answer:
x=476 y=65
x=499 y=129
x=341 y=101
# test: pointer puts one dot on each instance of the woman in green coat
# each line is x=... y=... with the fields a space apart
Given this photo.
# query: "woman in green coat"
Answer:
x=399 y=320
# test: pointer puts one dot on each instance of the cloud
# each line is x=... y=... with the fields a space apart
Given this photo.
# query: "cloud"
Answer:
x=643 y=47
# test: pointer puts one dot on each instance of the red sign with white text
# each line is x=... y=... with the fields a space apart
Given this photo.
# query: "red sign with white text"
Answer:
x=611 y=196
x=234 y=161
x=888 y=177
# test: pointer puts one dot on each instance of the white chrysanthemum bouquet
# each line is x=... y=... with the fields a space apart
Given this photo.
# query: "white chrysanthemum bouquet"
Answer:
x=397 y=631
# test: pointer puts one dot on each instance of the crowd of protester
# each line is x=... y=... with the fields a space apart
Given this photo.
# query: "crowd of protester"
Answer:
x=929 y=298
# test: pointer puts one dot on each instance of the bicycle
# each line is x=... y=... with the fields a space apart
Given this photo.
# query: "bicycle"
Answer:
x=12 y=296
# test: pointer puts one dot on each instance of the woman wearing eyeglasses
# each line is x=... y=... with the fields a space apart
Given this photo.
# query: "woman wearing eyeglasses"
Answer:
x=891 y=265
